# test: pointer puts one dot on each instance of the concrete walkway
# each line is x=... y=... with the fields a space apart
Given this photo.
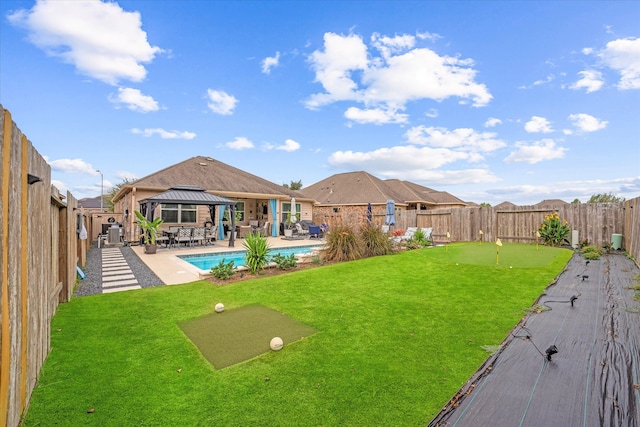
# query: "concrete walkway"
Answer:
x=116 y=273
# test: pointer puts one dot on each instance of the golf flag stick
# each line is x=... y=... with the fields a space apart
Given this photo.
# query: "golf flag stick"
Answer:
x=498 y=244
x=537 y=237
x=480 y=233
x=446 y=247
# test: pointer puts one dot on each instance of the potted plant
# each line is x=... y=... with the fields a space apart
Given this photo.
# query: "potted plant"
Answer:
x=149 y=232
x=288 y=229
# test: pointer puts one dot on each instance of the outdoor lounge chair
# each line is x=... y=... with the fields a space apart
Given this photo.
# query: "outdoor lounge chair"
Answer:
x=315 y=231
x=408 y=234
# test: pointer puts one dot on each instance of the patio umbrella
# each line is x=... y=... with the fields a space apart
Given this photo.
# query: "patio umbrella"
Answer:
x=293 y=210
x=391 y=213
x=369 y=213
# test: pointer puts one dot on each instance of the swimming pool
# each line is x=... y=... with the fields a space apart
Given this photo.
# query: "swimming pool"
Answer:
x=206 y=261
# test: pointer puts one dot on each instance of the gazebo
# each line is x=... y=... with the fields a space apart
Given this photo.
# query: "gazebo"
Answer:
x=190 y=195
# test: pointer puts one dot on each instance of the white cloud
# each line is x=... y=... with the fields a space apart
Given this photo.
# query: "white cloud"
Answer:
x=492 y=122
x=240 y=143
x=73 y=166
x=623 y=56
x=134 y=100
x=376 y=116
x=587 y=123
x=538 y=124
x=412 y=163
x=400 y=73
x=270 y=62
x=164 y=134
x=432 y=113
x=591 y=81
x=99 y=39
x=221 y=102
x=545 y=149
x=461 y=139
x=396 y=158
x=289 y=145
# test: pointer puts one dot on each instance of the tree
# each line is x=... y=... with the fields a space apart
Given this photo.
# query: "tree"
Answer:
x=605 y=198
x=108 y=198
x=575 y=202
x=485 y=205
x=295 y=185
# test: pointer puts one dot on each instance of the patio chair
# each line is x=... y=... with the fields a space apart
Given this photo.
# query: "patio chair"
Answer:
x=265 y=230
x=198 y=235
x=184 y=235
x=211 y=234
x=301 y=231
x=244 y=231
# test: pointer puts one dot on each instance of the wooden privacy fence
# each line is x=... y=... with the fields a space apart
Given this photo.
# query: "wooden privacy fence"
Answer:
x=595 y=222
x=38 y=255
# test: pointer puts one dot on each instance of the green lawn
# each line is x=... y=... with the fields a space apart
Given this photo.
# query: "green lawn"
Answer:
x=398 y=335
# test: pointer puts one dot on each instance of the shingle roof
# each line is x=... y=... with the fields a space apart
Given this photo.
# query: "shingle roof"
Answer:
x=214 y=176
x=352 y=188
x=413 y=192
x=504 y=205
x=90 y=202
x=549 y=203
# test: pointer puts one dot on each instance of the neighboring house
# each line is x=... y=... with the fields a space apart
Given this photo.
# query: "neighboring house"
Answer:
x=505 y=205
x=92 y=204
x=347 y=196
x=551 y=204
x=257 y=199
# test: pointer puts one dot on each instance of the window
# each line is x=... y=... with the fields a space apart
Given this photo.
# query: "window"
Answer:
x=178 y=213
x=239 y=212
x=286 y=210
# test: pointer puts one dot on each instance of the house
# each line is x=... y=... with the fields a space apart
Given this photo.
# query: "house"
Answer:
x=348 y=195
x=257 y=200
x=551 y=204
x=505 y=205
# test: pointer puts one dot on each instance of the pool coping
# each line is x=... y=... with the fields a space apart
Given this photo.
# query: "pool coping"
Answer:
x=173 y=270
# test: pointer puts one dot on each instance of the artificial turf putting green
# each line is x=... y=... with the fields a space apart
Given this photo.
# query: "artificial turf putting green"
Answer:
x=243 y=333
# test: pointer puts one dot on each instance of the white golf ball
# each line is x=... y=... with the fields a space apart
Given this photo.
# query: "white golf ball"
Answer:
x=219 y=307
x=276 y=344
x=510 y=267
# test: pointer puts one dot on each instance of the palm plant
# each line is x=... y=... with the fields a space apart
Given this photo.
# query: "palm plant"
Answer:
x=258 y=249
x=150 y=228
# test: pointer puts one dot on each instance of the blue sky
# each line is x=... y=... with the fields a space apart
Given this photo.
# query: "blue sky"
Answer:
x=488 y=100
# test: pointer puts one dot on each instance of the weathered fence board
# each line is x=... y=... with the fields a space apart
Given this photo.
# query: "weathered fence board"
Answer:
x=30 y=265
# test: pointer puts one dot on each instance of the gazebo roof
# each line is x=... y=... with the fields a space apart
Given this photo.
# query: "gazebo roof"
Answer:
x=190 y=195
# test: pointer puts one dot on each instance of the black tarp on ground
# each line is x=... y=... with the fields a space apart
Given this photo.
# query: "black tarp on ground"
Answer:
x=593 y=380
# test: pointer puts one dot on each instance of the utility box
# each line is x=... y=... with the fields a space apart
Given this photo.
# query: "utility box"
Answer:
x=114 y=235
x=575 y=242
x=616 y=241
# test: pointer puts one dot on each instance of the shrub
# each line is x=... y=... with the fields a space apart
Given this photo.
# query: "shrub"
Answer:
x=419 y=240
x=257 y=252
x=553 y=230
x=285 y=262
x=374 y=241
x=591 y=252
x=342 y=245
x=223 y=270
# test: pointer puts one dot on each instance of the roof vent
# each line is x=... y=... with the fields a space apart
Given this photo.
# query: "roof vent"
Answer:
x=203 y=164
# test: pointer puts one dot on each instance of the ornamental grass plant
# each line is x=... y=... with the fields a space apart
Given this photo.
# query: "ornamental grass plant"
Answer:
x=397 y=336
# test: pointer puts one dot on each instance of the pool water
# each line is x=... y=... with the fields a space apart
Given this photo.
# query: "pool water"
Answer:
x=206 y=261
